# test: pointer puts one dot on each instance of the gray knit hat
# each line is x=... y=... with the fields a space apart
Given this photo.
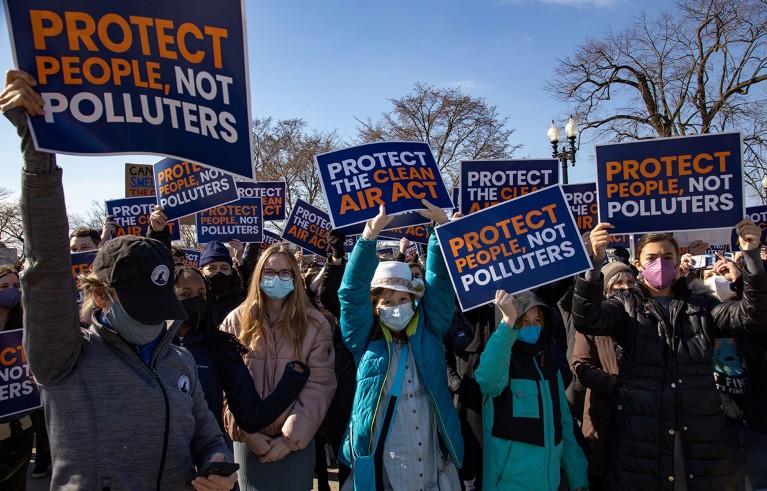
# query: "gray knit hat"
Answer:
x=611 y=271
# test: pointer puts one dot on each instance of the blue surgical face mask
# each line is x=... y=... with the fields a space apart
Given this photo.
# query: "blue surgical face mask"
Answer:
x=529 y=334
x=9 y=298
x=130 y=329
x=276 y=288
x=396 y=318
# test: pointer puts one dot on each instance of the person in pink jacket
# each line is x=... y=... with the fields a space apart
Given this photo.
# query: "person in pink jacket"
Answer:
x=277 y=324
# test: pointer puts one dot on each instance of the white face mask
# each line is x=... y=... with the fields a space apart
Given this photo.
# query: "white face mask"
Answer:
x=721 y=287
x=418 y=286
x=396 y=318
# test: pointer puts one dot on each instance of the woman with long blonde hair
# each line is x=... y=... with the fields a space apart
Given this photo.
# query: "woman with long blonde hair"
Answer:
x=277 y=324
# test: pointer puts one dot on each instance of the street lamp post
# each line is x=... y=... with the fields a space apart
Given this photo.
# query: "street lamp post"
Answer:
x=566 y=154
x=764 y=187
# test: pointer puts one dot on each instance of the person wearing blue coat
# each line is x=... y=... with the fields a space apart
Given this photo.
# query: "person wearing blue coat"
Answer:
x=412 y=441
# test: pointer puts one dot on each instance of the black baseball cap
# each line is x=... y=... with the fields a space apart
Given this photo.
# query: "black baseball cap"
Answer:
x=141 y=272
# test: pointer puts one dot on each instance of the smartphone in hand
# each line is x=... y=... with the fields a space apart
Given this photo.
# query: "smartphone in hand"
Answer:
x=217 y=468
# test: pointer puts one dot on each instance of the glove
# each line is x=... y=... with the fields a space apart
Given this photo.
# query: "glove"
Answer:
x=336 y=240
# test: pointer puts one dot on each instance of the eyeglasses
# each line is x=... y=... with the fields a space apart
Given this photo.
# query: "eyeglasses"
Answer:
x=285 y=274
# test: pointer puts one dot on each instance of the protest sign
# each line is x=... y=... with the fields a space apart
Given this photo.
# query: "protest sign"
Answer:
x=308 y=227
x=18 y=391
x=239 y=220
x=758 y=215
x=272 y=194
x=670 y=184
x=419 y=234
x=515 y=246
x=357 y=180
x=582 y=199
x=132 y=216
x=164 y=78
x=82 y=264
x=139 y=180
x=455 y=195
x=718 y=240
x=403 y=221
x=411 y=252
x=192 y=257
x=386 y=251
x=184 y=188
x=486 y=183
x=269 y=239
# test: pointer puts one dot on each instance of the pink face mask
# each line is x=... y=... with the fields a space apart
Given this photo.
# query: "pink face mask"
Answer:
x=659 y=273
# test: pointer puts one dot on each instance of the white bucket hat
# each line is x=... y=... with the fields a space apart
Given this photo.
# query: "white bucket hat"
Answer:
x=393 y=275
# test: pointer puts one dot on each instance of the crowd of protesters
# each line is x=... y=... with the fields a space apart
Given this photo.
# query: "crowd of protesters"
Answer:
x=642 y=373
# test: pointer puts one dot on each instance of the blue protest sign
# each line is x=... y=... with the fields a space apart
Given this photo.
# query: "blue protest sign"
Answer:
x=758 y=215
x=192 y=257
x=514 y=246
x=239 y=220
x=486 y=183
x=269 y=239
x=132 y=216
x=669 y=184
x=411 y=252
x=582 y=199
x=163 y=78
x=272 y=194
x=357 y=180
x=398 y=222
x=18 y=391
x=308 y=227
x=82 y=264
x=385 y=251
x=456 y=197
x=418 y=233
x=184 y=188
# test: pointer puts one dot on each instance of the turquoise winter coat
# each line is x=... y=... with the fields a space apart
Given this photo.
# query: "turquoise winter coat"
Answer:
x=513 y=464
x=425 y=332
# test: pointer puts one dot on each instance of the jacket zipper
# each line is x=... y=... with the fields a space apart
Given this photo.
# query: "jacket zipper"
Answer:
x=167 y=430
x=548 y=413
x=378 y=401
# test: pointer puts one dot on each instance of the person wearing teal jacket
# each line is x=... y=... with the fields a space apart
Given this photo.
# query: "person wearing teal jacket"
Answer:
x=527 y=427
x=380 y=322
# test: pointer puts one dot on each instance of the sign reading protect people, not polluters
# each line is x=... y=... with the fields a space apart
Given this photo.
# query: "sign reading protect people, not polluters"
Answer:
x=357 y=180
x=18 y=391
x=132 y=216
x=486 y=183
x=166 y=78
x=240 y=220
x=184 y=188
x=670 y=184
x=515 y=246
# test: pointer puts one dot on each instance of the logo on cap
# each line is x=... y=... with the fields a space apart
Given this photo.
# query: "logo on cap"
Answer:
x=183 y=384
x=160 y=275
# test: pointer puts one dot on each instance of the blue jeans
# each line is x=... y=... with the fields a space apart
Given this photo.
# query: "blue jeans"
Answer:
x=749 y=448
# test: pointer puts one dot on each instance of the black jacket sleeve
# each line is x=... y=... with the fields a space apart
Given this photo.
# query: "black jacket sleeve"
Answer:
x=163 y=236
x=329 y=286
x=251 y=412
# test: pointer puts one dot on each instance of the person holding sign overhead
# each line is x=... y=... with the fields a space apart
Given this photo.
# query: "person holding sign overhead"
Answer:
x=528 y=431
x=404 y=431
x=668 y=430
x=105 y=434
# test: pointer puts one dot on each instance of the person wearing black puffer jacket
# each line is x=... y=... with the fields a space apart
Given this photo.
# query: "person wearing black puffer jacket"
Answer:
x=222 y=372
x=668 y=429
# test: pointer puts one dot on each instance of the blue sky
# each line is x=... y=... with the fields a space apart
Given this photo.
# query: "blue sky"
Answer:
x=330 y=61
